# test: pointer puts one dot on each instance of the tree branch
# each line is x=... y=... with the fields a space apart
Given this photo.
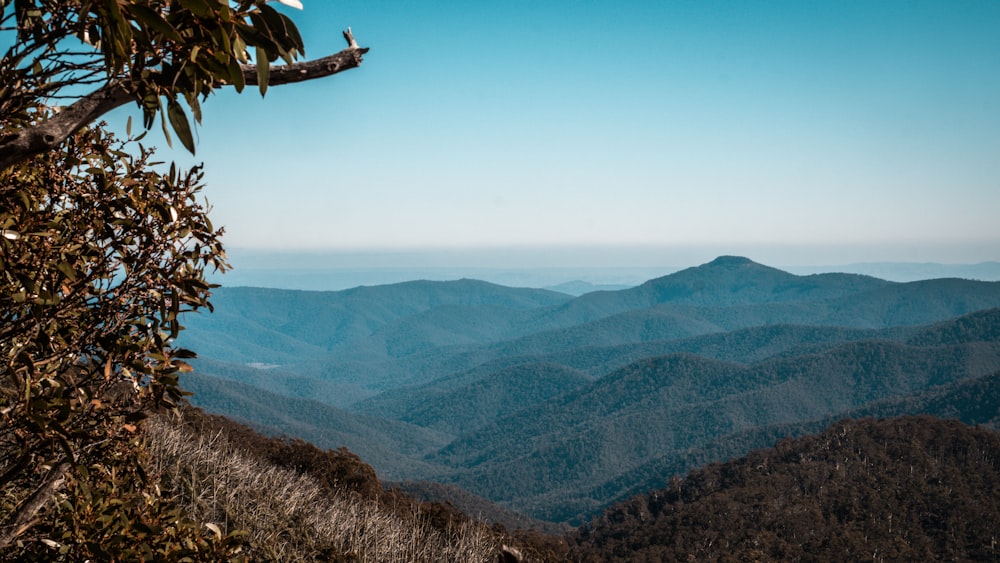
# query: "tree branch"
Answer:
x=23 y=517
x=16 y=147
x=286 y=74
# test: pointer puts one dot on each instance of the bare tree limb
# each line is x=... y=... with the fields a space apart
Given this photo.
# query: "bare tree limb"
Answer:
x=45 y=136
x=286 y=74
x=16 y=147
x=23 y=518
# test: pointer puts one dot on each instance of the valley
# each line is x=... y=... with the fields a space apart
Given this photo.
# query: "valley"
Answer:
x=559 y=406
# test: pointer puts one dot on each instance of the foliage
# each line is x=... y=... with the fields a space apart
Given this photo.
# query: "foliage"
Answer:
x=100 y=254
x=111 y=511
x=101 y=250
x=161 y=52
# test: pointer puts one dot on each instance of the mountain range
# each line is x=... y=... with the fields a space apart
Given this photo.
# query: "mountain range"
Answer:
x=558 y=406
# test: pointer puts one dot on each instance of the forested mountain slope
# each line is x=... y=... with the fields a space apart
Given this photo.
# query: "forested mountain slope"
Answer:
x=374 y=339
x=909 y=489
x=744 y=345
x=558 y=406
x=727 y=281
x=324 y=320
x=663 y=407
x=395 y=447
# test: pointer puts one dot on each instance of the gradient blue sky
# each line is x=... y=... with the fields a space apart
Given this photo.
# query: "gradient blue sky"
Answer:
x=789 y=131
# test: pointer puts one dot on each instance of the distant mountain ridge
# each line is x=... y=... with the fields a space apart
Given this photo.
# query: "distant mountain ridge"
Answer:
x=314 y=320
x=558 y=406
x=913 y=271
x=335 y=272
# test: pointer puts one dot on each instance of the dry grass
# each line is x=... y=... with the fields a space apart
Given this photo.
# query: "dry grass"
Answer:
x=289 y=517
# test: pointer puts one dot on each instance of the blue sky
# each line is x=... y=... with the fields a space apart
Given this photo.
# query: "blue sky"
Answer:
x=788 y=131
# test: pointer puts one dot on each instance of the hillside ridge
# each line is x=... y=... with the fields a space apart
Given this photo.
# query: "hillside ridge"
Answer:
x=558 y=406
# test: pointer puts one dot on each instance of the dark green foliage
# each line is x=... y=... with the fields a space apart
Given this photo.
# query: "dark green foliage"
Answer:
x=661 y=411
x=981 y=326
x=974 y=401
x=461 y=410
x=910 y=489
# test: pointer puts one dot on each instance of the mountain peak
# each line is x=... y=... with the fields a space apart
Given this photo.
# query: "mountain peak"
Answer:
x=730 y=261
x=735 y=280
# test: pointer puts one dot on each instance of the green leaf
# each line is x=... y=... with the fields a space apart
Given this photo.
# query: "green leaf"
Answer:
x=263 y=70
x=163 y=122
x=120 y=36
x=277 y=28
x=240 y=49
x=67 y=270
x=195 y=106
x=152 y=19
x=179 y=121
x=199 y=8
x=236 y=75
x=293 y=35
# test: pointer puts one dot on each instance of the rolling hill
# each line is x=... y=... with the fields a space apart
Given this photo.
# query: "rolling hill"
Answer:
x=559 y=406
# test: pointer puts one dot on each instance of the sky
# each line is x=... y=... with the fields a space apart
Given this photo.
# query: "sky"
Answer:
x=623 y=133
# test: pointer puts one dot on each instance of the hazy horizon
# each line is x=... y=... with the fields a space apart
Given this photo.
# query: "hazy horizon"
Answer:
x=537 y=267
x=610 y=256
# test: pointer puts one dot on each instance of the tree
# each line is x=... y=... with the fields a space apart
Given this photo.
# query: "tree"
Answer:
x=101 y=250
x=153 y=52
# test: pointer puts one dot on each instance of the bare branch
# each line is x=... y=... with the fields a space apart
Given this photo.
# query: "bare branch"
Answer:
x=298 y=72
x=45 y=136
x=23 y=518
x=16 y=147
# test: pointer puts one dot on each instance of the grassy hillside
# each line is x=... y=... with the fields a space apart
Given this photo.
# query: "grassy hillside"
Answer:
x=290 y=501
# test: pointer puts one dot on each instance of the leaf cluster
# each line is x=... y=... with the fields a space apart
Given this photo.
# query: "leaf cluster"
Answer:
x=100 y=253
x=111 y=510
x=161 y=51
